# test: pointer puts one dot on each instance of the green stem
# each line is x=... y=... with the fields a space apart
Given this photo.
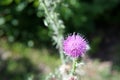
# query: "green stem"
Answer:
x=74 y=66
x=62 y=56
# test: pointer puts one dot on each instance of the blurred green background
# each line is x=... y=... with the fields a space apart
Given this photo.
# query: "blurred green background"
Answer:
x=26 y=47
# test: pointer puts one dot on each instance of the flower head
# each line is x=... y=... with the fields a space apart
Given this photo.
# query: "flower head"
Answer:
x=74 y=45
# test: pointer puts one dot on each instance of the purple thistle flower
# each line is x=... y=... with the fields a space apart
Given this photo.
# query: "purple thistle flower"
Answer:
x=74 y=45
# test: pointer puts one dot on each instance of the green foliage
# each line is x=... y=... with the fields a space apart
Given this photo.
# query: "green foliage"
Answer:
x=80 y=15
x=21 y=20
x=5 y=2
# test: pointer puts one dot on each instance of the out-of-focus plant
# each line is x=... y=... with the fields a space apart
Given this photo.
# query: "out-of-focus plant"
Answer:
x=53 y=22
x=74 y=46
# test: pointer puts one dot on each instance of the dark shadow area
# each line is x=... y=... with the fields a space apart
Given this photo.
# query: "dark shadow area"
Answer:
x=107 y=28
